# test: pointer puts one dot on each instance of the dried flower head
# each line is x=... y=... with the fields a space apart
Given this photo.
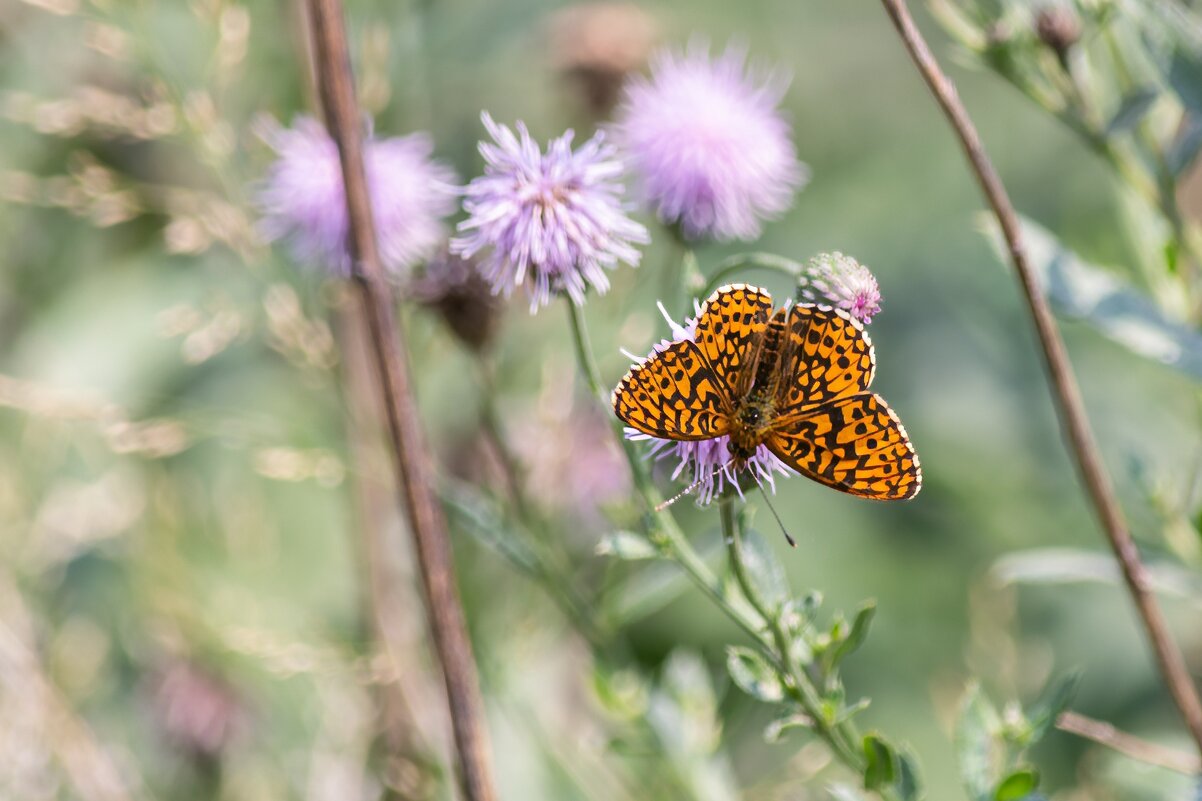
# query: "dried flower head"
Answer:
x=453 y=287
x=710 y=150
x=1059 y=28
x=596 y=45
x=303 y=200
x=554 y=221
x=844 y=283
x=709 y=462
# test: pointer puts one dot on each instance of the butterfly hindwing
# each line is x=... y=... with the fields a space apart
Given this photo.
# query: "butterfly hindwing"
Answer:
x=730 y=325
x=854 y=444
x=826 y=355
x=674 y=395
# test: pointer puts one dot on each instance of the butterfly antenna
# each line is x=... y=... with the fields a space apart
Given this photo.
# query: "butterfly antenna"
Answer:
x=779 y=522
x=692 y=487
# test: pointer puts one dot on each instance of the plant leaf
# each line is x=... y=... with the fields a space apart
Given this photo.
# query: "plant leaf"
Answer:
x=1018 y=785
x=627 y=545
x=1123 y=314
x=765 y=569
x=1173 y=37
x=1074 y=565
x=909 y=781
x=1132 y=110
x=1055 y=699
x=975 y=744
x=775 y=731
x=880 y=765
x=752 y=673
x=1184 y=149
x=857 y=634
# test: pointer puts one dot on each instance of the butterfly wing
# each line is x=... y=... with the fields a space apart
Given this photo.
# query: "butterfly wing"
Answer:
x=855 y=445
x=826 y=355
x=674 y=395
x=728 y=331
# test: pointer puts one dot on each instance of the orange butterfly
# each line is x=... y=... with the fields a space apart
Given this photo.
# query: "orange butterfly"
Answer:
x=795 y=380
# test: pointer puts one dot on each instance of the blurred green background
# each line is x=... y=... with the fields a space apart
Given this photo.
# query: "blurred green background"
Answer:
x=180 y=497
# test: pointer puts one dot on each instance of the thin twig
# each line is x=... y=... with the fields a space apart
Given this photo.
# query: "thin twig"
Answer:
x=427 y=524
x=1137 y=748
x=1064 y=385
x=385 y=607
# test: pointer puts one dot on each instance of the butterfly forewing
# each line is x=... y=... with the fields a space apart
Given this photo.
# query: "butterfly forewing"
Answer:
x=729 y=329
x=829 y=357
x=674 y=395
x=853 y=444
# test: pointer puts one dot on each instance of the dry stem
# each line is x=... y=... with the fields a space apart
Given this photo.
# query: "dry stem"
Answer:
x=427 y=525
x=1065 y=392
x=1137 y=748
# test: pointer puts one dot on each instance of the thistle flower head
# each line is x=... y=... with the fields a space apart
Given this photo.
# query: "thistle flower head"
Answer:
x=708 y=146
x=554 y=220
x=842 y=282
x=452 y=286
x=303 y=201
x=708 y=462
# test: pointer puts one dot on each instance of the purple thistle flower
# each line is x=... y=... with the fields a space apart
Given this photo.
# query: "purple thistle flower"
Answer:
x=303 y=201
x=554 y=221
x=709 y=147
x=843 y=282
x=708 y=461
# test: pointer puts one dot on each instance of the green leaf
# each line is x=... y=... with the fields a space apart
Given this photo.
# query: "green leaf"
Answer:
x=1055 y=699
x=1076 y=565
x=1173 y=37
x=776 y=731
x=1184 y=148
x=627 y=545
x=841 y=792
x=1120 y=312
x=752 y=673
x=976 y=745
x=848 y=712
x=856 y=635
x=909 y=781
x=764 y=569
x=880 y=762
x=1017 y=785
x=1131 y=111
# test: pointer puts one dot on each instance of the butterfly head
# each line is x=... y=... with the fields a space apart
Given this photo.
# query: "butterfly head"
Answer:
x=751 y=425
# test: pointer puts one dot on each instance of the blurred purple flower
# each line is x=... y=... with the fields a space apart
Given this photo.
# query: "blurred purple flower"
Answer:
x=843 y=282
x=303 y=201
x=554 y=221
x=708 y=145
x=709 y=460
x=197 y=710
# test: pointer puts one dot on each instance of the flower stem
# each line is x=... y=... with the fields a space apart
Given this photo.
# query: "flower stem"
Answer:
x=550 y=565
x=662 y=527
x=842 y=737
x=763 y=261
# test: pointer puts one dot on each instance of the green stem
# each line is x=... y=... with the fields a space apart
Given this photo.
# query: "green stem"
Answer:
x=764 y=261
x=691 y=281
x=549 y=564
x=764 y=626
x=662 y=527
x=842 y=737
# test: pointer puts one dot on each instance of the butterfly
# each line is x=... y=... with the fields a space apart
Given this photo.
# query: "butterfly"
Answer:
x=794 y=379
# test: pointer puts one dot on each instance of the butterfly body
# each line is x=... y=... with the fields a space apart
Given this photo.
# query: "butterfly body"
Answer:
x=793 y=380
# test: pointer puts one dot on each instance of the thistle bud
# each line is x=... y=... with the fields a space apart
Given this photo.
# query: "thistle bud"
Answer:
x=1058 y=28
x=453 y=287
x=596 y=45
